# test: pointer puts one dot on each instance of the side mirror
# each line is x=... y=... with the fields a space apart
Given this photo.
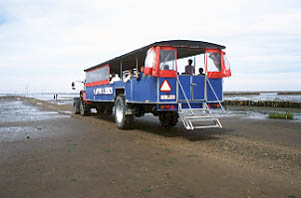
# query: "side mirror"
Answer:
x=73 y=85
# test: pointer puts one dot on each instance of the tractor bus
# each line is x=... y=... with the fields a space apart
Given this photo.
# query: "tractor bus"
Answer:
x=154 y=79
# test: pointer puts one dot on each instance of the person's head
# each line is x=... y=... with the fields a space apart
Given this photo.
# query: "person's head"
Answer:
x=130 y=72
x=201 y=70
x=141 y=69
x=190 y=61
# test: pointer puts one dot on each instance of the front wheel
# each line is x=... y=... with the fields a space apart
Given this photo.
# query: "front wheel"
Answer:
x=76 y=105
x=122 y=120
x=83 y=108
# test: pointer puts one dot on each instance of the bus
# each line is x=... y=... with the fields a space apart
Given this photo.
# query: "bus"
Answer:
x=154 y=79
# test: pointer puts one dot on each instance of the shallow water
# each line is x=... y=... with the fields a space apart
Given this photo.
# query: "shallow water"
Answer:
x=62 y=98
x=252 y=114
x=18 y=111
x=18 y=120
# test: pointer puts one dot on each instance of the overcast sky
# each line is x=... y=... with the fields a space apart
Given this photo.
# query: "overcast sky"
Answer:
x=46 y=44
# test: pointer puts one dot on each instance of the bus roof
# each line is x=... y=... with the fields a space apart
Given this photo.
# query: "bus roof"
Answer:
x=185 y=48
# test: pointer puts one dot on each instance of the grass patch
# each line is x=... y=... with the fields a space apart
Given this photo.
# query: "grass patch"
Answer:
x=164 y=163
x=284 y=116
x=172 y=160
x=167 y=150
x=108 y=150
x=147 y=190
x=74 y=180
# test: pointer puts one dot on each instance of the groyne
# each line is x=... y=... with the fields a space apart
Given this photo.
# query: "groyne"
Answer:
x=263 y=103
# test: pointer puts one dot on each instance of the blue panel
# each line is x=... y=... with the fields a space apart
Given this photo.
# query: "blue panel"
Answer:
x=198 y=88
x=101 y=93
x=143 y=90
x=168 y=96
x=185 y=82
x=217 y=85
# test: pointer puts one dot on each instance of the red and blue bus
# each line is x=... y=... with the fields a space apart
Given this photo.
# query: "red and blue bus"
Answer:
x=163 y=88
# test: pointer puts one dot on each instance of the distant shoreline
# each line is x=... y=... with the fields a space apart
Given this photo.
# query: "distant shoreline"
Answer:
x=240 y=93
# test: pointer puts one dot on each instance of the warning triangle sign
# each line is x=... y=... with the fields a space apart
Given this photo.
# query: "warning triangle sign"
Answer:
x=165 y=86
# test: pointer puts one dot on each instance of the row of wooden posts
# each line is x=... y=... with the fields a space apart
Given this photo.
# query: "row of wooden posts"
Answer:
x=261 y=103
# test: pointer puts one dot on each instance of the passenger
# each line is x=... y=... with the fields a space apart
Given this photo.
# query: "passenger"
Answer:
x=112 y=75
x=129 y=76
x=141 y=73
x=201 y=70
x=115 y=78
x=189 y=69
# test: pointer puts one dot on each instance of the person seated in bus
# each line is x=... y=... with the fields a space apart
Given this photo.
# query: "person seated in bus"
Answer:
x=201 y=70
x=140 y=74
x=115 y=78
x=166 y=67
x=189 y=69
x=129 y=76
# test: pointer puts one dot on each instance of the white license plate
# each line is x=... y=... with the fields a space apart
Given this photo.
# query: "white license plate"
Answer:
x=168 y=97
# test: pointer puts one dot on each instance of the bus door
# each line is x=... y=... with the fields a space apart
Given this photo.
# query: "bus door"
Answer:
x=184 y=87
x=197 y=87
x=192 y=86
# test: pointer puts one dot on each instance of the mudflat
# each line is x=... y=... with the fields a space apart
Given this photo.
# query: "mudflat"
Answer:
x=65 y=155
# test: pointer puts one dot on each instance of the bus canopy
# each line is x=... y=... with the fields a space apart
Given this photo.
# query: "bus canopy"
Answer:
x=185 y=48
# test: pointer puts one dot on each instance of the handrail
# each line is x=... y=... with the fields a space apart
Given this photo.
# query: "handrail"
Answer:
x=216 y=96
x=179 y=82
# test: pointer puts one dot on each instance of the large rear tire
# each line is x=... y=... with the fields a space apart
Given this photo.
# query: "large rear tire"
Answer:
x=122 y=120
x=100 y=109
x=168 y=119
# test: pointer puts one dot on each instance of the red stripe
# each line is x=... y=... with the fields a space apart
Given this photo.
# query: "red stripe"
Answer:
x=168 y=73
x=97 y=67
x=96 y=83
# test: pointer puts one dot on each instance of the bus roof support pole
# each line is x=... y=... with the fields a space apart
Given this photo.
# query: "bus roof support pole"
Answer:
x=121 y=69
x=205 y=83
x=137 y=64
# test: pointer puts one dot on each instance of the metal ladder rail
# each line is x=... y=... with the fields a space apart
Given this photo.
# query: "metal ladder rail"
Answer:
x=219 y=102
x=187 y=120
x=187 y=123
x=186 y=99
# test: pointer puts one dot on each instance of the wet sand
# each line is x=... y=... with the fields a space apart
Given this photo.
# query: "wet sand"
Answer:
x=73 y=156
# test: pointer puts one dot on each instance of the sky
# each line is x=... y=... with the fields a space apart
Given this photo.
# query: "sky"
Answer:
x=46 y=44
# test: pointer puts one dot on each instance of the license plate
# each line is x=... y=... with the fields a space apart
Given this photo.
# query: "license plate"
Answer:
x=168 y=97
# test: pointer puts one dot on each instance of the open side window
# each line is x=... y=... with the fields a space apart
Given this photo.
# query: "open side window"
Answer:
x=167 y=65
x=217 y=67
x=98 y=76
x=226 y=65
x=150 y=61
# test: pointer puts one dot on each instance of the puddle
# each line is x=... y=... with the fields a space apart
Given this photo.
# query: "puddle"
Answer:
x=66 y=112
x=17 y=111
x=10 y=134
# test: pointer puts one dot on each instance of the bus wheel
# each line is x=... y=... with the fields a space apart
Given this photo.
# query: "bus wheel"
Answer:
x=122 y=120
x=84 y=108
x=76 y=105
x=174 y=118
x=100 y=110
x=166 y=119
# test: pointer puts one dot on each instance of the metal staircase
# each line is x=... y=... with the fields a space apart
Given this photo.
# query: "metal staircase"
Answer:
x=197 y=118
